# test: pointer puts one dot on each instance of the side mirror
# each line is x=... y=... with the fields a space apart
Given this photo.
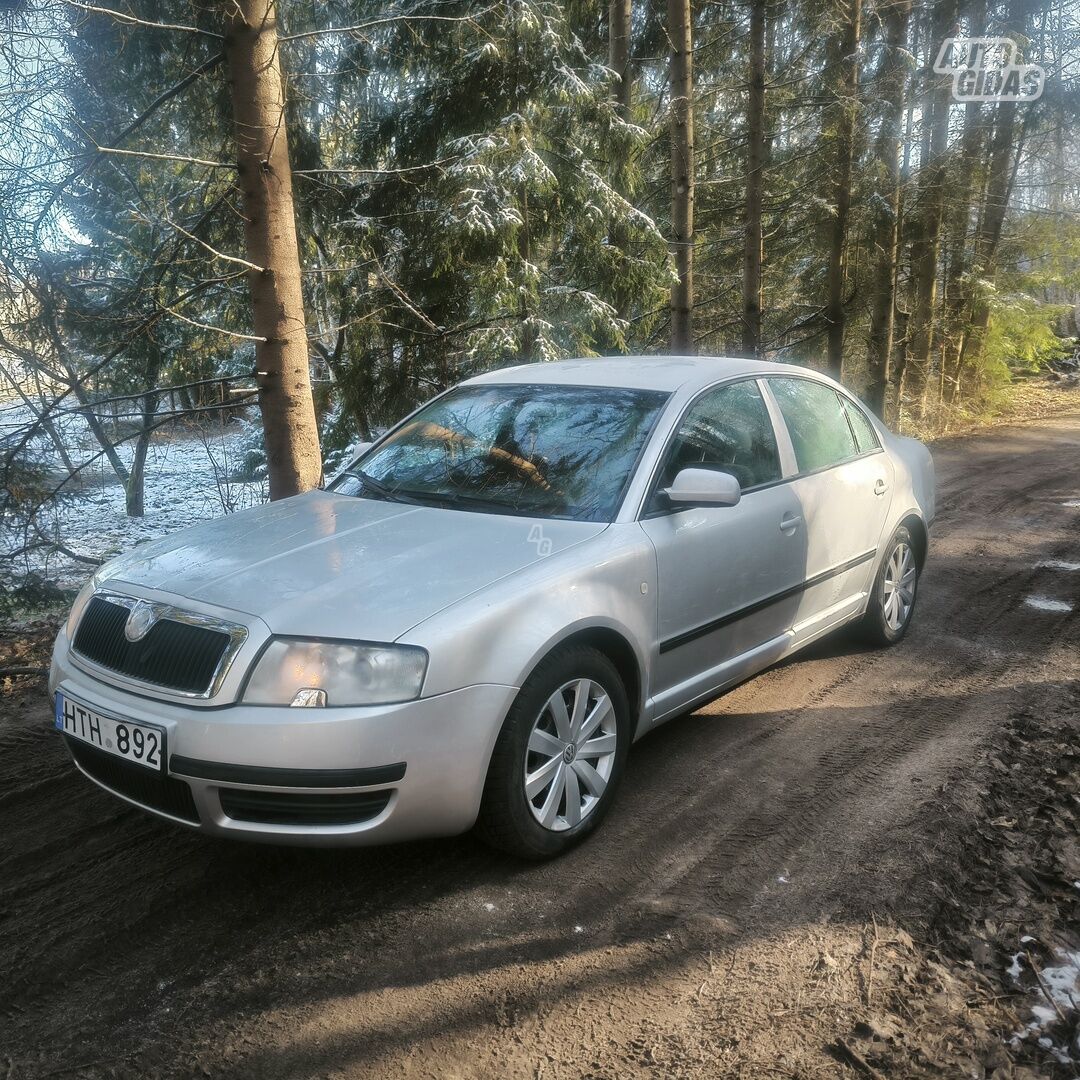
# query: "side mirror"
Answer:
x=360 y=448
x=704 y=487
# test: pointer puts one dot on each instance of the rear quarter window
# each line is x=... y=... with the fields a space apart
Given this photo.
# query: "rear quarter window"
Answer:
x=866 y=437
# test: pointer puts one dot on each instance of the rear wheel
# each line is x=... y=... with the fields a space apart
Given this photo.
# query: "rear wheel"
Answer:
x=895 y=589
x=559 y=756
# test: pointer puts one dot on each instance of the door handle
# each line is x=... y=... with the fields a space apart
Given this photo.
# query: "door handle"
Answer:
x=790 y=522
x=880 y=487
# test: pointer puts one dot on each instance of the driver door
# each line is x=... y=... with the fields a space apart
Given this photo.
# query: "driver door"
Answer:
x=728 y=577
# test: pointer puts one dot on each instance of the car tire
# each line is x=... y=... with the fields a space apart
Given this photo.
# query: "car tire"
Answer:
x=894 y=592
x=545 y=823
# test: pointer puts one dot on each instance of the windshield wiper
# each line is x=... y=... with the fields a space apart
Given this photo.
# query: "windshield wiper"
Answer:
x=377 y=487
x=446 y=499
x=478 y=502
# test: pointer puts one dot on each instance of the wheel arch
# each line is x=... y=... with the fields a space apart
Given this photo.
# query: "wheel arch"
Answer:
x=920 y=537
x=616 y=646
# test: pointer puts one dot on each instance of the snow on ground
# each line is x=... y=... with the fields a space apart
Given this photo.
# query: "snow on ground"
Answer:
x=1057 y=995
x=187 y=468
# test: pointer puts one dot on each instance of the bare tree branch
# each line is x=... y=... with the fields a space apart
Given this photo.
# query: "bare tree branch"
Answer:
x=132 y=20
x=207 y=326
x=165 y=157
x=214 y=251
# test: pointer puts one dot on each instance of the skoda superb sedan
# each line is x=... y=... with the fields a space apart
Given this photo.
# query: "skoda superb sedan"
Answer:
x=479 y=615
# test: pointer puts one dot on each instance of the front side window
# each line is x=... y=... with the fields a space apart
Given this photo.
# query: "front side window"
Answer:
x=539 y=450
x=816 y=421
x=727 y=429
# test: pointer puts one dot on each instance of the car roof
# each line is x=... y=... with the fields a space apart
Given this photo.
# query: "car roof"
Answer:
x=668 y=373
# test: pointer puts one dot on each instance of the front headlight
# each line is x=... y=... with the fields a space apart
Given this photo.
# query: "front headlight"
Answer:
x=305 y=673
x=77 y=609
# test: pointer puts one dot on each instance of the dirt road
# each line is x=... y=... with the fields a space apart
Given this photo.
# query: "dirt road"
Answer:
x=787 y=872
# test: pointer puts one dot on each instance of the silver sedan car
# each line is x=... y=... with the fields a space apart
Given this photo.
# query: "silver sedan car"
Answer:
x=476 y=618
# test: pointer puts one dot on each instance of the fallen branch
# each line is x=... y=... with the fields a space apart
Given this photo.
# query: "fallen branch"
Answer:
x=52 y=542
x=854 y=1060
x=873 y=955
x=1045 y=989
x=12 y=672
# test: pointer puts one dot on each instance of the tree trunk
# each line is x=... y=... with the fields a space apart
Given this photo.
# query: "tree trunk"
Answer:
x=896 y=16
x=845 y=50
x=755 y=182
x=93 y=422
x=1001 y=175
x=961 y=191
x=294 y=462
x=135 y=488
x=927 y=248
x=620 y=13
x=682 y=174
x=527 y=347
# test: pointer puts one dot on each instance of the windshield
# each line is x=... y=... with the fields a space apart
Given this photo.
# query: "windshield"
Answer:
x=538 y=450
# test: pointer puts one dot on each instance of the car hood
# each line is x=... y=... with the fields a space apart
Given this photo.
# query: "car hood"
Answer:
x=327 y=565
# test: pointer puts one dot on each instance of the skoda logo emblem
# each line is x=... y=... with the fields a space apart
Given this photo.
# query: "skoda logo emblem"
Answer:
x=139 y=622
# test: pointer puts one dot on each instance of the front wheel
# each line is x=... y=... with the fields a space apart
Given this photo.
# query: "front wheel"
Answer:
x=559 y=756
x=892 y=599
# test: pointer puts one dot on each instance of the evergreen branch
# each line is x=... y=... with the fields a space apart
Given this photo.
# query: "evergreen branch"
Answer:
x=168 y=95
x=349 y=171
x=161 y=99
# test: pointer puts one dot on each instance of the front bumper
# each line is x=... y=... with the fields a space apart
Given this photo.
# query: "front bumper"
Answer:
x=418 y=767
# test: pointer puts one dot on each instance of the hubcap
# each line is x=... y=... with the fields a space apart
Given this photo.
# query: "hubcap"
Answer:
x=898 y=587
x=570 y=754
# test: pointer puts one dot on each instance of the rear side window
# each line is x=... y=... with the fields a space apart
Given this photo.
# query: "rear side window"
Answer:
x=865 y=435
x=816 y=421
x=727 y=429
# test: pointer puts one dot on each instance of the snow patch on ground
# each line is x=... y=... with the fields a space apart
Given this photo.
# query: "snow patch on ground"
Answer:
x=187 y=470
x=1057 y=994
x=1047 y=603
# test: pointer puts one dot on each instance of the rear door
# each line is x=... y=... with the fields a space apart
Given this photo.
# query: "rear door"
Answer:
x=843 y=487
x=729 y=577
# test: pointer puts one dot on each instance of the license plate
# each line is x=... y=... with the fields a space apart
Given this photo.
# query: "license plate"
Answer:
x=139 y=743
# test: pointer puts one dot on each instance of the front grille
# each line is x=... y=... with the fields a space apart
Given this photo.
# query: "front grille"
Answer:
x=158 y=792
x=302 y=808
x=178 y=655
